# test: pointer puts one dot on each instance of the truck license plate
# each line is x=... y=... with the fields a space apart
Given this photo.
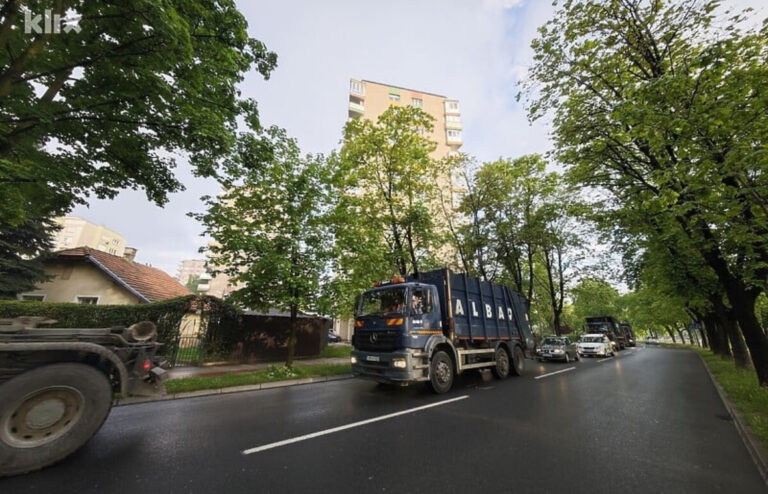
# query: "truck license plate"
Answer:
x=372 y=358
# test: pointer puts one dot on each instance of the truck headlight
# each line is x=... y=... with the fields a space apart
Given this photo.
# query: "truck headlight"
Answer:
x=353 y=359
x=399 y=363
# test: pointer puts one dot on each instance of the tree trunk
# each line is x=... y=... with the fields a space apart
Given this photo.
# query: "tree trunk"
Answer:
x=718 y=340
x=292 y=335
x=704 y=340
x=681 y=335
x=671 y=333
x=755 y=337
x=412 y=251
x=742 y=302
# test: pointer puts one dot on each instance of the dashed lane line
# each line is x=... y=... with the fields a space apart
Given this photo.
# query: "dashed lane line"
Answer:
x=325 y=432
x=556 y=372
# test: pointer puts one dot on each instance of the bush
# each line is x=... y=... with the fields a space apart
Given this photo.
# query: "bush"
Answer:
x=166 y=315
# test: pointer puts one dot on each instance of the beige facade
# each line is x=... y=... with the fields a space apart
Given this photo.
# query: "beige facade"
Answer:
x=80 y=283
x=369 y=100
x=188 y=268
x=221 y=286
x=78 y=232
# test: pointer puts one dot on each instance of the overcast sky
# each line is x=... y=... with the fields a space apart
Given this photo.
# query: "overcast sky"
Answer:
x=474 y=51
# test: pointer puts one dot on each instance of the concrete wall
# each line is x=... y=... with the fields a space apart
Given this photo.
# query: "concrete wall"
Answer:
x=73 y=279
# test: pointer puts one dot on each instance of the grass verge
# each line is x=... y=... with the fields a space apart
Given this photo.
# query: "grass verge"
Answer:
x=262 y=376
x=743 y=392
x=335 y=351
x=686 y=346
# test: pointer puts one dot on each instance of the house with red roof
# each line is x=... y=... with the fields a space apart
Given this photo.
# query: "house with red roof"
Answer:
x=89 y=276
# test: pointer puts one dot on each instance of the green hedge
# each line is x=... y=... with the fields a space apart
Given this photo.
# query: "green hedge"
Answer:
x=166 y=315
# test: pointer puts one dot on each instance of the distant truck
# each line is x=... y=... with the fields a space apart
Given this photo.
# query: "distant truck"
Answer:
x=57 y=385
x=439 y=324
x=629 y=335
x=607 y=325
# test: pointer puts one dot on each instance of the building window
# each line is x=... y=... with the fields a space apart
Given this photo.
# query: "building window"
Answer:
x=454 y=135
x=87 y=299
x=452 y=106
x=453 y=118
x=356 y=87
x=394 y=97
x=36 y=297
x=417 y=102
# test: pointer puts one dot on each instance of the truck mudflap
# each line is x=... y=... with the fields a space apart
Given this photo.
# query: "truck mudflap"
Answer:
x=401 y=367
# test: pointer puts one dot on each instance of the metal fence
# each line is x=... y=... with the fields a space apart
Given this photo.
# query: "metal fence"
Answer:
x=189 y=344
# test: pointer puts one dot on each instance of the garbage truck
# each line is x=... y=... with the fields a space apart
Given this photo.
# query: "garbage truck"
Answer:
x=608 y=326
x=435 y=325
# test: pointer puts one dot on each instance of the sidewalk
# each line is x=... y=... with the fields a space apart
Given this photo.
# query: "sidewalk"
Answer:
x=220 y=370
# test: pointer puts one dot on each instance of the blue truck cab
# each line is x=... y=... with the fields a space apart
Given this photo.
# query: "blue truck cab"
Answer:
x=407 y=332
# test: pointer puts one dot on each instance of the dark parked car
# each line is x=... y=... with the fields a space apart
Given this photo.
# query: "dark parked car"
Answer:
x=558 y=348
x=333 y=338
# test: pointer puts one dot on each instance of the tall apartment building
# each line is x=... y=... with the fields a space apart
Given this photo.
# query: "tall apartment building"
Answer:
x=78 y=232
x=188 y=268
x=369 y=99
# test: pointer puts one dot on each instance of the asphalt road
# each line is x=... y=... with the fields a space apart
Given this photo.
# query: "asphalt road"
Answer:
x=648 y=420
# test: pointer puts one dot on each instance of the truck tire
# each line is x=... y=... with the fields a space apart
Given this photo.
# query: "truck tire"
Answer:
x=440 y=373
x=48 y=413
x=501 y=369
x=518 y=361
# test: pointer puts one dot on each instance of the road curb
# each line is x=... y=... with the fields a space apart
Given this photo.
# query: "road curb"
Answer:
x=135 y=400
x=754 y=447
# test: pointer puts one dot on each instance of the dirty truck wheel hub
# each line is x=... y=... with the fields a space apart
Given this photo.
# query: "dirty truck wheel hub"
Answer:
x=442 y=370
x=43 y=416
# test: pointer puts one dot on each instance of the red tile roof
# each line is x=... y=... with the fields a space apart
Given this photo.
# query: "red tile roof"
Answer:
x=148 y=283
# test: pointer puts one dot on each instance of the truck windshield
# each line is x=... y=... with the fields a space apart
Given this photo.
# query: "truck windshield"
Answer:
x=382 y=302
x=600 y=327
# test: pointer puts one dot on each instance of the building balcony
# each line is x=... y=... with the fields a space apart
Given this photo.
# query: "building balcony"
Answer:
x=453 y=137
x=453 y=125
x=356 y=108
x=356 y=88
x=452 y=107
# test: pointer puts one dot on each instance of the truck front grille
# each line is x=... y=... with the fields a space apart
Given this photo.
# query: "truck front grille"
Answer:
x=377 y=341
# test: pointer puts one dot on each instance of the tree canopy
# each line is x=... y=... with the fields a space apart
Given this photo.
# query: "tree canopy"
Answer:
x=665 y=108
x=112 y=104
x=270 y=231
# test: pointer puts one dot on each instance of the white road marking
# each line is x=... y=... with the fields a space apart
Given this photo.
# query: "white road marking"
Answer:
x=348 y=426
x=556 y=372
x=605 y=359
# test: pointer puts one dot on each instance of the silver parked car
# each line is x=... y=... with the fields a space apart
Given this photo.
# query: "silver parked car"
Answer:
x=596 y=345
x=558 y=348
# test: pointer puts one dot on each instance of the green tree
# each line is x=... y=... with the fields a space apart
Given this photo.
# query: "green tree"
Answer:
x=269 y=230
x=388 y=197
x=192 y=283
x=506 y=205
x=108 y=106
x=22 y=248
x=594 y=297
x=665 y=109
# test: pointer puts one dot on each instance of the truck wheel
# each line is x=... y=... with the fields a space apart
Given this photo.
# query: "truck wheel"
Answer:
x=518 y=361
x=48 y=413
x=501 y=370
x=440 y=373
